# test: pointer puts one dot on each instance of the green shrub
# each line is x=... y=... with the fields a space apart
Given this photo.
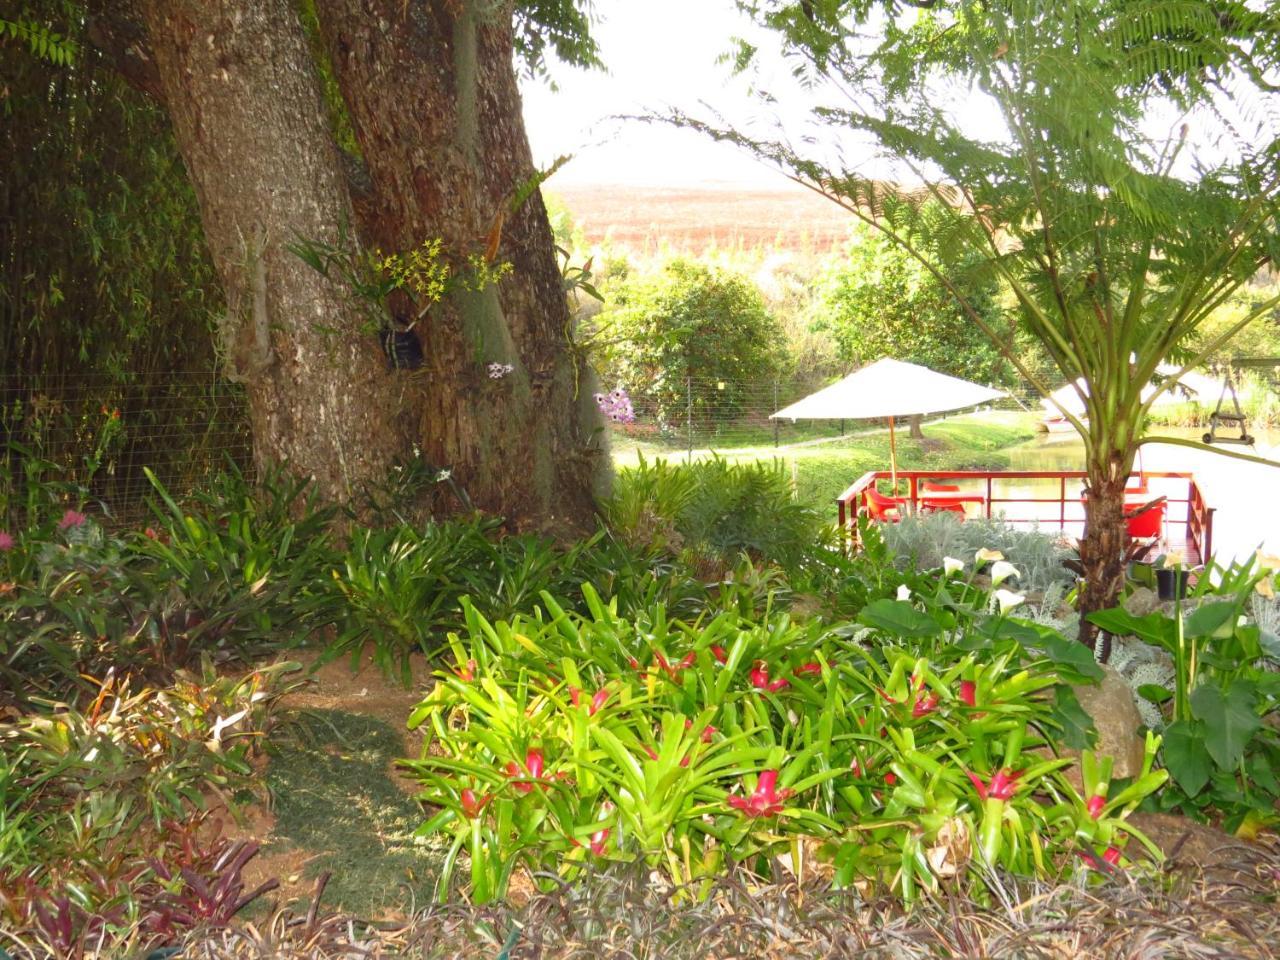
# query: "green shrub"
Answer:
x=837 y=583
x=688 y=340
x=908 y=750
x=397 y=591
x=711 y=511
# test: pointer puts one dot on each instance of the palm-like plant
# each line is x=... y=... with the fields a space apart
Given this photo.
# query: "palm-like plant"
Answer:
x=1124 y=188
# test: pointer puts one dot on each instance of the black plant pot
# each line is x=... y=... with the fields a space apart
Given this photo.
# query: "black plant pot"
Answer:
x=403 y=349
x=1171 y=584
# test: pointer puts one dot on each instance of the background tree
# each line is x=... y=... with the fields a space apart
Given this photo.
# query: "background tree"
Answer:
x=689 y=327
x=1132 y=190
x=878 y=301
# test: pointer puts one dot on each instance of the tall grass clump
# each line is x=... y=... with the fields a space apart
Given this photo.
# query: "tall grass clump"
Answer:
x=712 y=511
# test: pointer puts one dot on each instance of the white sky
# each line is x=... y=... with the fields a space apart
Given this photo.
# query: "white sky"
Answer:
x=658 y=53
x=663 y=53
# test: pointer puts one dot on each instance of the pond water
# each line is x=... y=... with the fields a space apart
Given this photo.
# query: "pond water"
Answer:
x=1245 y=496
x=1065 y=451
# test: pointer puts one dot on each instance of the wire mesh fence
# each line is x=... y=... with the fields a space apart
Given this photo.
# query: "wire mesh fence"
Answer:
x=98 y=434
x=701 y=413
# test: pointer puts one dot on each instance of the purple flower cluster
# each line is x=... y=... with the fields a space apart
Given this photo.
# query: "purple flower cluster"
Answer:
x=616 y=405
x=6 y=541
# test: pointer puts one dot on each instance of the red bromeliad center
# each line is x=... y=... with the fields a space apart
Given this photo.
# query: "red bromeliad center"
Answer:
x=760 y=678
x=766 y=800
x=1002 y=786
x=533 y=763
x=472 y=805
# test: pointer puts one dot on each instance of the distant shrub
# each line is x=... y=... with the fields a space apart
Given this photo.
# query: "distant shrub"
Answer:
x=688 y=334
x=715 y=510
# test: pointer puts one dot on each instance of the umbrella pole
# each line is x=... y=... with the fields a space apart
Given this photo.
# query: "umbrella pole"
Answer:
x=893 y=458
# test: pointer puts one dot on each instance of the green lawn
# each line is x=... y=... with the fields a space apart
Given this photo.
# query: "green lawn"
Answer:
x=821 y=470
x=337 y=805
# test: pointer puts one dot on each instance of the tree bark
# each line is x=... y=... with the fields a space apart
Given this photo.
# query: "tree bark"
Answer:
x=1105 y=540
x=914 y=423
x=239 y=83
x=433 y=100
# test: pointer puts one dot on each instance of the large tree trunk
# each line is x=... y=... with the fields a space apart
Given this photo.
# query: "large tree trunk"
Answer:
x=239 y=83
x=1105 y=540
x=432 y=95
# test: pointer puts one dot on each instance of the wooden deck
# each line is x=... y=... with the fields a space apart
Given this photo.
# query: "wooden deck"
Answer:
x=1048 y=499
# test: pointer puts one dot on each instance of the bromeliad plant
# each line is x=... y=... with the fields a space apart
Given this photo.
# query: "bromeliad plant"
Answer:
x=911 y=750
x=225 y=574
x=100 y=807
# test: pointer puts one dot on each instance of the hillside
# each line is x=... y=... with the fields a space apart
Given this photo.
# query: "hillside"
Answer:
x=693 y=218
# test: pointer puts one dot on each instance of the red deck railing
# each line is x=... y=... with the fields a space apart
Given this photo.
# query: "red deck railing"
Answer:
x=1187 y=515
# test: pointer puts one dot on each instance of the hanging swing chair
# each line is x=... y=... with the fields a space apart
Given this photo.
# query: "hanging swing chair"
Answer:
x=1218 y=418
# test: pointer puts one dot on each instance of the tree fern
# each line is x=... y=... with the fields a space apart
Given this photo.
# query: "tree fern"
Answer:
x=1116 y=239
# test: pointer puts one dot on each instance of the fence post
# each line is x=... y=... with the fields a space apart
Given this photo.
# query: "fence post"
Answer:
x=775 y=410
x=688 y=395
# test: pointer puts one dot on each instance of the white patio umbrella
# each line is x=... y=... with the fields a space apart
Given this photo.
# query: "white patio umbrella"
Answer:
x=889 y=388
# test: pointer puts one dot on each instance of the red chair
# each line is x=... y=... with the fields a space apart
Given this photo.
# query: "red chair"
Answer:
x=882 y=508
x=1147 y=523
x=940 y=506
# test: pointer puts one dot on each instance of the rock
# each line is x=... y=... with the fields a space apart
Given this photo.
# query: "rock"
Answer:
x=1111 y=706
x=1142 y=601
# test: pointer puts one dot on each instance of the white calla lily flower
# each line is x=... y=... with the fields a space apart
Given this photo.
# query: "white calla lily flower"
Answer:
x=1006 y=600
x=988 y=556
x=904 y=592
x=951 y=565
x=1001 y=571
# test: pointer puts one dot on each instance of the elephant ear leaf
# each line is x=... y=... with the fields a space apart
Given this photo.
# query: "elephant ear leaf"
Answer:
x=1230 y=720
x=1154 y=628
x=1186 y=755
x=1210 y=618
x=899 y=619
